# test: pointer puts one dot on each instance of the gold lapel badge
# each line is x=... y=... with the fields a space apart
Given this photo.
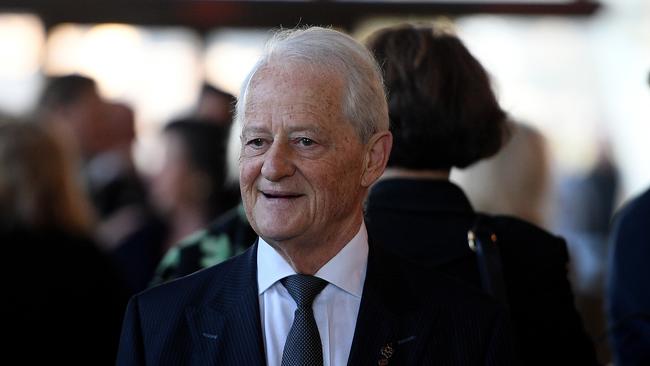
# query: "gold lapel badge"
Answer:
x=386 y=353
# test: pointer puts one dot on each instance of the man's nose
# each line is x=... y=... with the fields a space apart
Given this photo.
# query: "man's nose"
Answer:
x=278 y=162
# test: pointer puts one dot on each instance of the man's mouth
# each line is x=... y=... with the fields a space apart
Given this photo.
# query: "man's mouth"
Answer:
x=280 y=195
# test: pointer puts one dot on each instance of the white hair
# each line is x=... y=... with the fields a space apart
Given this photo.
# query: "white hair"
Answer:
x=364 y=102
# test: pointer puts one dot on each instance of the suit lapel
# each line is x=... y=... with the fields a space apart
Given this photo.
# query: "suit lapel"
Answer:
x=393 y=322
x=227 y=330
x=374 y=330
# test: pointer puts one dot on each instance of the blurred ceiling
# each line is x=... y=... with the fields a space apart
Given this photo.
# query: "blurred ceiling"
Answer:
x=203 y=15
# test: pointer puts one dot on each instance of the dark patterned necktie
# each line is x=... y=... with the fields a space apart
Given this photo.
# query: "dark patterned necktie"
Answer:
x=303 y=346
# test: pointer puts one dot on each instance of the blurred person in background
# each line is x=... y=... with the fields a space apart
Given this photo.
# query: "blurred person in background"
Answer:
x=230 y=233
x=71 y=106
x=186 y=192
x=628 y=283
x=215 y=105
x=102 y=134
x=115 y=186
x=188 y=189
x=583 y=214
x=62 y=301
x=516 y=181
x=584 y=211
x=444 y=114
x=39 y=181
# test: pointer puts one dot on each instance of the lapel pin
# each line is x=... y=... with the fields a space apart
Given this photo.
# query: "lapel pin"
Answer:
x=386 y=353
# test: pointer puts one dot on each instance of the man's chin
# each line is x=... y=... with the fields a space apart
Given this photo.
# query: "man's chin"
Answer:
x=278 y=235
x=275 y=238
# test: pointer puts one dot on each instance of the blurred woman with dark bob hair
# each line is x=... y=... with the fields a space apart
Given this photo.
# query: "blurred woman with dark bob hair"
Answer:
x=444 y=114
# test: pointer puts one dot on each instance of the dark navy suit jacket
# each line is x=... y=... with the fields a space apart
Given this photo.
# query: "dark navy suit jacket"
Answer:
x=405 y=318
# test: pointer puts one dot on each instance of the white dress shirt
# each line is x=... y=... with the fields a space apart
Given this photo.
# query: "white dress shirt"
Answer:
x=335 y=308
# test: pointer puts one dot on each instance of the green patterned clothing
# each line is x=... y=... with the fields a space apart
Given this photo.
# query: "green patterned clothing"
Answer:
x=227 y=236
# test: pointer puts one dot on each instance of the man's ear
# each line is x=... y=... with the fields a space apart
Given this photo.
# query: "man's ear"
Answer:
x=377 y=153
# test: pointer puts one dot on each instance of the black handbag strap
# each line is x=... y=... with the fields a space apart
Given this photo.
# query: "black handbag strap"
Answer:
x=483 y=241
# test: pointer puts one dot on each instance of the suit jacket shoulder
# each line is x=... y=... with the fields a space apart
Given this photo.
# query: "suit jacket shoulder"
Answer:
x=210 y=317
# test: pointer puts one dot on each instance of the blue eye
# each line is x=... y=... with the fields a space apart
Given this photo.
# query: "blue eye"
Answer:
x=256 y=142
x=305 y=141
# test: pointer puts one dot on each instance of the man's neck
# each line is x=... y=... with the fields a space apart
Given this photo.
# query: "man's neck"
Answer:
x=308 y=256
x=395 y=172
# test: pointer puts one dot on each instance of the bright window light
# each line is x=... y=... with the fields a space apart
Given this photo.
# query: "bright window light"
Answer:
x=21 y=39
x=231 y=54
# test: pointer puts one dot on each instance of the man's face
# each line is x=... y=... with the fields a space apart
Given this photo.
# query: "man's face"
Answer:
x=301 y=161
x=171 y=186
x=87 y=118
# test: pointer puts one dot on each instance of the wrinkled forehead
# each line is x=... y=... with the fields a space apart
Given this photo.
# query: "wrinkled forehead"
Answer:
x=317 y=76
x=295 y=84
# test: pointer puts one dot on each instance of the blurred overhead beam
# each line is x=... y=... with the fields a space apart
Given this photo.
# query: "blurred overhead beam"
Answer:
x=206 y=14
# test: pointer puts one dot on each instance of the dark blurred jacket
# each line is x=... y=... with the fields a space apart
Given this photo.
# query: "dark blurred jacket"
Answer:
x=628 y=298
x=433 y=217
x=62 y=304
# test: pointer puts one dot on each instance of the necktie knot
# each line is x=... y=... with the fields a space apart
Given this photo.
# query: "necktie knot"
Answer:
x=303 y=288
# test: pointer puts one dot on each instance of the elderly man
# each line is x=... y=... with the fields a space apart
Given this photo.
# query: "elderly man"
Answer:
x=312 y=290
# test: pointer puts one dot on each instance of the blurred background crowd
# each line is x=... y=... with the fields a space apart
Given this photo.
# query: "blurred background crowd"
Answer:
x=116 y=144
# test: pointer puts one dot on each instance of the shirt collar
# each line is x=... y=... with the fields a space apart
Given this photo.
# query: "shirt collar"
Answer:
x=346 y=270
